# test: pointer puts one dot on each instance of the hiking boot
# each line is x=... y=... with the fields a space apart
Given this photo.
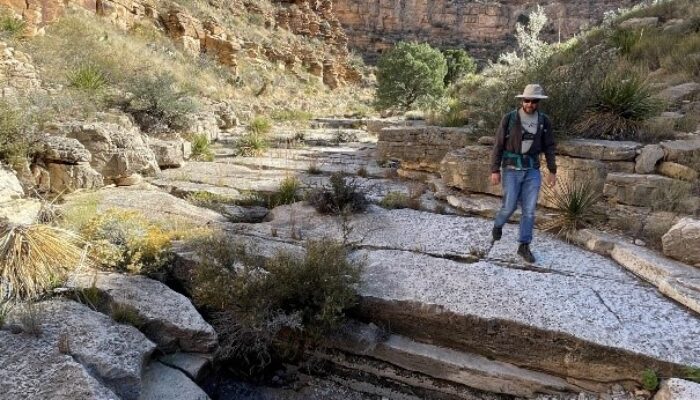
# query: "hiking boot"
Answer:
x=524 y=252
x=496 y=234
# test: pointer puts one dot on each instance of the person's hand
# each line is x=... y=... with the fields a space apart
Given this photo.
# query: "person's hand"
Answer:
x=551 y=180
x=495 y=178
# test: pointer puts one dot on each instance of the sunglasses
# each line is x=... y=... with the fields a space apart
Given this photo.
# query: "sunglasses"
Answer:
x=533 y=101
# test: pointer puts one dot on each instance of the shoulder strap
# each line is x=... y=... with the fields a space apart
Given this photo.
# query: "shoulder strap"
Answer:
x=511 y=122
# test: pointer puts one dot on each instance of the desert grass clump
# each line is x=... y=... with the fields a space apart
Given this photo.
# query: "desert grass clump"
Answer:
x=30 y=318
x=209 y=200
x=287 y=193
x=295 y=116
x=252 y=144
x=621 y=106
x=574 y=204
x=201 y=148
x=264 y=308
x=343 y=195
x=260 y=125
x=15 y=134
x=88 y=77
x=33 y=258
x=11 y=25
x=397 y=200
x=126 y=315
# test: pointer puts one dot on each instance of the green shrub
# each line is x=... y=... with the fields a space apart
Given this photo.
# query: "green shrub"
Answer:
x=687 y=123
x=201 y=148
x=459 y=64
x=252 y=145
x=621 y=105
x=343 y=195
x=395 y=200
x=624 y=40
x=11 y=25
x=407 y=73
x=287 y=193
x=261 y=307
x=650 y=380
x=574 y=205
x=157 y=103
x=260 y=126
x=292 y=115
x=87 y=77
x=14 y=141
x=692 y=374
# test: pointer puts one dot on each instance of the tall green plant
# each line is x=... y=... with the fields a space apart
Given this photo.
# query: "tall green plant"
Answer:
x=574 y=205
x=459 y=64
x=408 y=73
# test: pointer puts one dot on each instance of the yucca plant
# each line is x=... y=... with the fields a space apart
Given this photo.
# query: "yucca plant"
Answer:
x=12 y=25
x=88 y=77
x=260 y=125
x=287 y=193
x=252 y=144
x=201 y=148
x=621 y=105
x=34 y=257
x=574 y=205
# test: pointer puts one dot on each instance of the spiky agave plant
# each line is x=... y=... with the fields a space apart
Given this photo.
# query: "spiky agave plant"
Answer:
x=574 y=205
x=34 y=257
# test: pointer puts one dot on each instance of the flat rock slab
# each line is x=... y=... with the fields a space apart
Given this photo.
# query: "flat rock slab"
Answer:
x=167 y=317
x=604 y=150
x=21 y=211
x=162 y=382
x=192 y=364
x=575 y=313
x=10 y=188
x=113 y=354
x=678 y=389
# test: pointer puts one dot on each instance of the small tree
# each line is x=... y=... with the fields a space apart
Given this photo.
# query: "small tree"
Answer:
x=459 y=63
x=409 y=72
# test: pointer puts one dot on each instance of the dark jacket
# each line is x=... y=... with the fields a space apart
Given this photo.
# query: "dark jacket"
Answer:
x=543 y=142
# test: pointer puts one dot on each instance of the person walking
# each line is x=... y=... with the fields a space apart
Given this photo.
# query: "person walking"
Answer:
x=522 y=135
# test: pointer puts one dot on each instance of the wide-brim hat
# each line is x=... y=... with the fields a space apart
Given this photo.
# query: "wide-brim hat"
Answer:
x=532 y=91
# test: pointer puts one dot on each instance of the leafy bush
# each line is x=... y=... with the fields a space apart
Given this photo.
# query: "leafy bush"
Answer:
x=14 y=141
x=87 y=76
x=201 y=148
x=261 y=306
x=126 y=241
x=260 y=126
x=33 y=258
x=407 y=73
x=343 y=195
x=395 y=200
x=252 y=144
x=459 y=63
x=574 y=205
x=650 y=380
x=157 y=102
x=621 y=105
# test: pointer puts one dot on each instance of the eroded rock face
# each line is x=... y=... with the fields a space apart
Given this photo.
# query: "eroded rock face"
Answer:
x=17 y=73
x=682 y=241
x=168 y=318
x=640 y=190
x=80 y=354
x=604 y=150
x=10 y=188
x=483 y=28
x=70 y=177
x=170 y=153
x=678 y=389
x=420 y=148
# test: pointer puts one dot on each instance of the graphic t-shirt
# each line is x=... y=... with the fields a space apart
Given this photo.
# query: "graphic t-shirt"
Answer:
x=529 y=123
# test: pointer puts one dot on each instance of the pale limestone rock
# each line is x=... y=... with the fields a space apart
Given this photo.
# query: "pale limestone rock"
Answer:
x=113 y=353
x=647 y=159
x=10 y=188
x=604 y=150
x=686 y=152
x=20 y=211
x=169 y=318
x=639 y=190
x=60 y=149
x=679 y=92
x=68 y=177
x=678 y=389
x=469 y=169
x=682 y=241
x=420 y=148
x=626 y=167
x=163 y=382
x=677 y=171
x=169 y=153
x=639 y=23
x=133 y=179
x=374 y=126
x=193 y=364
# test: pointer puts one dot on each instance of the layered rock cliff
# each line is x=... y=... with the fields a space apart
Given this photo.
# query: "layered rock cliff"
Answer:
x=484 y=27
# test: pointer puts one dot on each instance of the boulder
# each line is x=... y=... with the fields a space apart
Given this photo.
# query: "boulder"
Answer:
x=168 y=318
x=163 y=382
x=678 y=389
x=620 y=166
x=21 y=211
x=604 y=150
x=69 y=177
x=640 y=190
x=192 y=364
x=60 y=149
x=75 y=342
x=10 y=188
x=647 y=159
x=420 y=148
x=203 y=123
x=469 y=169
x=169 y=153
x=686 y=152
x=677 y=171
x=118 y=149
x=245 y=214
x=639 y=23
x=679 y=92
x=682 y=241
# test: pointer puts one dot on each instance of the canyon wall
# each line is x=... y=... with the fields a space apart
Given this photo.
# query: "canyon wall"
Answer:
x=483 y=27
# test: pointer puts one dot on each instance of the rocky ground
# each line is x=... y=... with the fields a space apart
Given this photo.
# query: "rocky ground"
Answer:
x=443 y=314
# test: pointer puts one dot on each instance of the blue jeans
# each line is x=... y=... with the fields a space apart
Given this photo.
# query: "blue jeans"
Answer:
x=520 y=187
